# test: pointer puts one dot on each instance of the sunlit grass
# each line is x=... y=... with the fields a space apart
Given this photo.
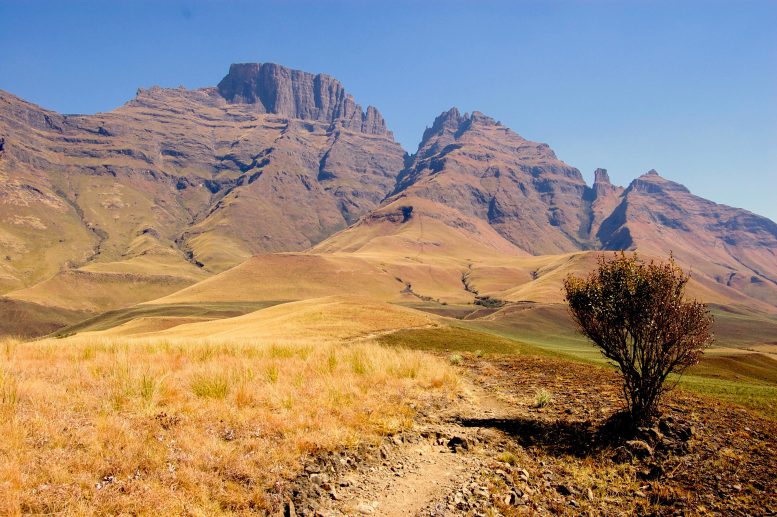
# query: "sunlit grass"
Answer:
x=190 y=426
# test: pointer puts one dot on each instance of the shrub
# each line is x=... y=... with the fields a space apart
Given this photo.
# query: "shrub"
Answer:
x=636 y=314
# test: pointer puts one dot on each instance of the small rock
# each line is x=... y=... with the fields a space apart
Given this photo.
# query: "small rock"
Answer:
x=523 y=475
x=458 y=441
x=639 y=448
x=319 y=479
x=573 y=503
x=651 y=434
x=365 y=508
x=396 y=439
x=738 y=488
x=590 y=494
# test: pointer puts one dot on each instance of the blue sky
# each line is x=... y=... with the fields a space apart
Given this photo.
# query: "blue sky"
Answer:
x=688 y=88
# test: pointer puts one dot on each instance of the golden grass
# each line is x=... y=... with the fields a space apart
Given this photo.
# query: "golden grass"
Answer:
x=99 y=425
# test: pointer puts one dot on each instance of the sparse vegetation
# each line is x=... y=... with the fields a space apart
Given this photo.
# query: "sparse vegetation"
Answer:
x=543 y=398
x=636 y=314
x=489 y=302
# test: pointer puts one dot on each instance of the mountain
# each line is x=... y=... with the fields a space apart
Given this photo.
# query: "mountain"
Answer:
x=280 y=175
x=734 y=247
x=480 y=168
x=178 y=184
x=485 y=190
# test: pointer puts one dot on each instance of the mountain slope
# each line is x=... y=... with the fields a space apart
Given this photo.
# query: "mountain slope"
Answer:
x=272 y=160
x=482 y=169
x=732 y=246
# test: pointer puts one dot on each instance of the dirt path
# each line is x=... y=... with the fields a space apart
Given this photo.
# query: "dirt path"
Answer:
x=422 y=472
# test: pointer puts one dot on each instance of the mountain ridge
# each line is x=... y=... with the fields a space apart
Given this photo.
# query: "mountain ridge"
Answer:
x=194 y=182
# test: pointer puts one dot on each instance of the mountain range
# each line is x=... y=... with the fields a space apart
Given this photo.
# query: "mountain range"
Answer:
x=276 y=175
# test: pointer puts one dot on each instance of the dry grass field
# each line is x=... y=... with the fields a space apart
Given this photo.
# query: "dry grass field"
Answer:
x=100 y=425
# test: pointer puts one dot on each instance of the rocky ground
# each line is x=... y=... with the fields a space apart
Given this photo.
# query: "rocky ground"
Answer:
x=535 y=436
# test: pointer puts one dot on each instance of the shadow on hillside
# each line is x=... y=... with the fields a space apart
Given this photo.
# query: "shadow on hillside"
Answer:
x=560 y=437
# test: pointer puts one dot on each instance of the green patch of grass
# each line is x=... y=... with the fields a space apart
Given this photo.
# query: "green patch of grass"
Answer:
x=758 y=397
x=507 y=457
x=543 y=398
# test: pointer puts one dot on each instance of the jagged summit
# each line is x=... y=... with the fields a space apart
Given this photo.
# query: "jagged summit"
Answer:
x=276 y=89
x=453 y=123
x=601 y=176
x=652 y=182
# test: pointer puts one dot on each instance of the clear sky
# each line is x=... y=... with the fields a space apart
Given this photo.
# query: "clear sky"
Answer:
x=688 y=88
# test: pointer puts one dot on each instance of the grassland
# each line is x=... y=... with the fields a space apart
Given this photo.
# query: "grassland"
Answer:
x=97 y=425
x=735 y=375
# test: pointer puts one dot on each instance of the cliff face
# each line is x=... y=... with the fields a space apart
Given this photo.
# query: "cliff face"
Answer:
x=272 y=160
x=279 y=90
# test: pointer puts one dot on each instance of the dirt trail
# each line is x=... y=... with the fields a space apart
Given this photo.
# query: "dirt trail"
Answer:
x=419 y=473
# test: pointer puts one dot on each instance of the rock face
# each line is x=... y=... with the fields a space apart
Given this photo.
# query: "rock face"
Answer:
x=295 y=94
x=475 y=165
x=732 y=246
x=197 y=180
x=475 y=175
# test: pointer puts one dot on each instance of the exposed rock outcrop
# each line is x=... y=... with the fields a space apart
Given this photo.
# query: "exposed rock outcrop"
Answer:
x=279 y=90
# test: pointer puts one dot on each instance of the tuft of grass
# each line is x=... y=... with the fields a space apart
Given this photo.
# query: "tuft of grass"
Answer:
x=543 y=398
x=507 y=457
x=9 y=390
x=210 y=385
x=272 y=373
x=359 y=363
x=455 y=359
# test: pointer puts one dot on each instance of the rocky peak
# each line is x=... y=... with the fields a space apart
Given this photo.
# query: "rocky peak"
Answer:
x=276 y=89
x=652 y=183
x=446 y=122
x=602 y=185
x=601 y=176
x=453 y=123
